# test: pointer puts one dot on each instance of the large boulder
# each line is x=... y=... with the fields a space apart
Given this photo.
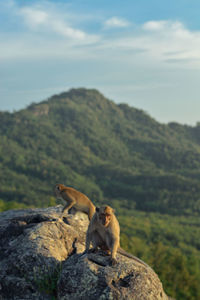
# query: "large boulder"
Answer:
x=41 y=256
x=91 y=277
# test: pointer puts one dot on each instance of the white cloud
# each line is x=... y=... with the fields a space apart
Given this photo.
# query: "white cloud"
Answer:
x=34 y=17
x=172 y=39
x=51 y=31
x=154 y=25
x=52 y=22
x=165 y=26
x=67 y=31
x=157 y=43
x=116 y=22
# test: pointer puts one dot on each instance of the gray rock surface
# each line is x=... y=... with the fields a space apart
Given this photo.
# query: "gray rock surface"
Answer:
x=91 y=277
x=41 y=257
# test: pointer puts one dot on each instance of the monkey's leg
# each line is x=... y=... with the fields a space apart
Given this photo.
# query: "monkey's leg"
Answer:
x=91 y=212
x=97 y=241
x=105 y=249
x=72 y=210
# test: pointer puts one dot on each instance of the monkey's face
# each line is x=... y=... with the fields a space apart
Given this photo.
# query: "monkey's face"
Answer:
x=104 y=214
x=104 y=219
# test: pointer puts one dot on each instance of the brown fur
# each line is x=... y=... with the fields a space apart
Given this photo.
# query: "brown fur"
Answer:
x=75 y=199
x=104 y=232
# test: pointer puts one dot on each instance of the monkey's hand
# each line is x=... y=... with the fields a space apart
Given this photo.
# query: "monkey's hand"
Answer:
x=88 y=251
x=92 y=250
x=61 y=216
x=113 y=261
x=106 y=252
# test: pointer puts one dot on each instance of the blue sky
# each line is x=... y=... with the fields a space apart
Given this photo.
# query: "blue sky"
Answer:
x=145 y=53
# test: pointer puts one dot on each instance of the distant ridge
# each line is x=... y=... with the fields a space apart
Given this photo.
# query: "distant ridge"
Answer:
x=106 y=150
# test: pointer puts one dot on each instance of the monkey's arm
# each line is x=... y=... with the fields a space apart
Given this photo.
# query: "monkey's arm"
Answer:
x=88 y=240
x=68 y=206
x=90 y=232
x=70 y=200
x=114 y=247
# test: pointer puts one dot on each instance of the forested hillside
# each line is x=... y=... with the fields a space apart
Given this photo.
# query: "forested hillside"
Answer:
x=119 y=155
x=82 y=139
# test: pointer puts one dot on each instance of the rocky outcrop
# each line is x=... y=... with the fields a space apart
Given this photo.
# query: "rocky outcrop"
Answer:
x=39 y=109
x=41 y=256
x=91 y=277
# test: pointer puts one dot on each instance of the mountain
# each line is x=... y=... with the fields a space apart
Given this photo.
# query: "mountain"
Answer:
x=108 y=151
x=116 y=154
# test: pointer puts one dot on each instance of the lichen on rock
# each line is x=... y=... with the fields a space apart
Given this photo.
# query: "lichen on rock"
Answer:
x=41 y=256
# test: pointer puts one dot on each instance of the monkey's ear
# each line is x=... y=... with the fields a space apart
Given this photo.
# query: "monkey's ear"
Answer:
x=113 y=210
x=97 y=209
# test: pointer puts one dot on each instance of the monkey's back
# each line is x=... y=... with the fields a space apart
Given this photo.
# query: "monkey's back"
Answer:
x=80 y=198
x=73 y=193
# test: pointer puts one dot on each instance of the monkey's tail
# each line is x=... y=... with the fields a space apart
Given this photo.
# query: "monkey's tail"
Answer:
x=123 y=252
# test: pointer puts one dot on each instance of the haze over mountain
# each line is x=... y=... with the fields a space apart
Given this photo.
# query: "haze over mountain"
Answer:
x=107 y=151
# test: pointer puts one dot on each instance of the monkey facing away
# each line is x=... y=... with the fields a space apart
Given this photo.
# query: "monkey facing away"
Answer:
x=104 y=232
x=74 y=199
